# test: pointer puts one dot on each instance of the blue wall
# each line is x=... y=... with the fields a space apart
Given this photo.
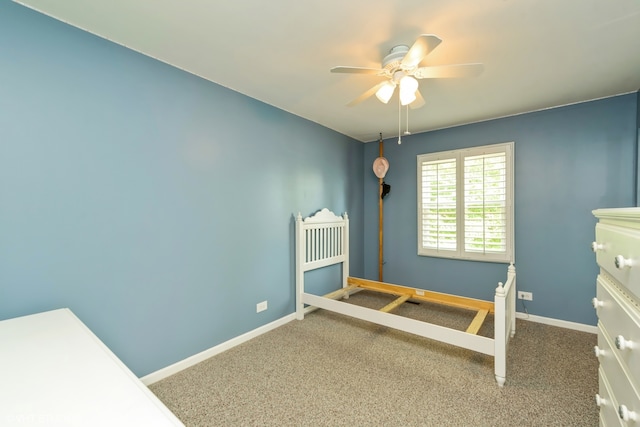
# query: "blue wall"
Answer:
x=568 y=161
x=126 y=184
x=156 y=205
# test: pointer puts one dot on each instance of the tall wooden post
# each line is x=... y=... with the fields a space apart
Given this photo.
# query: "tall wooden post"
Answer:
x=380 y=216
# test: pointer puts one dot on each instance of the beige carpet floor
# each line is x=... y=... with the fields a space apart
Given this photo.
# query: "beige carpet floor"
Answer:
x=332 y=370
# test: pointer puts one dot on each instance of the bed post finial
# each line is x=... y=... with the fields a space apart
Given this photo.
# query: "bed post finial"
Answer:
x=345 y=216
x=299 y=217
x=500 y=290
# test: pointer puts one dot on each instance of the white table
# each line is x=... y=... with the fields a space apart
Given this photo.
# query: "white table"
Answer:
x=55 y=372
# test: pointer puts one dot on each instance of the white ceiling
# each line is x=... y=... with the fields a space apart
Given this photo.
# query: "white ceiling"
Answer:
x=536 y=53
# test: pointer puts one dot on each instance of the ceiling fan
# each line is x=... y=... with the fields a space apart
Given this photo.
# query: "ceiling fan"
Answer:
x=401 y=69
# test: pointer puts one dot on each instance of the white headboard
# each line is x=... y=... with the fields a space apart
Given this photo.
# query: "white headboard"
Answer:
x=322 y=239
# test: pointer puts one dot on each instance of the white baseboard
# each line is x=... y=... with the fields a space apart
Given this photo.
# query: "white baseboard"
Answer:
x=556 y=322
x=199 y=357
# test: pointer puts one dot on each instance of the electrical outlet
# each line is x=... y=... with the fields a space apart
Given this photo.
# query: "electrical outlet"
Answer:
x=527 y=296
x=261 y=306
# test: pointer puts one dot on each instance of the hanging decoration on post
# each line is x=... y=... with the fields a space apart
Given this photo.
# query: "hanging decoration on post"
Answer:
x=380 y=167
x=386 y=188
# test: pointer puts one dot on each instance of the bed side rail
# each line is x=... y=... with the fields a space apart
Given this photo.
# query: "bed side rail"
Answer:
x=428 y=330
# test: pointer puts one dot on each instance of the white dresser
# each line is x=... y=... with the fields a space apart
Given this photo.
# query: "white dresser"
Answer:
x=617 y=303
x=55 y=372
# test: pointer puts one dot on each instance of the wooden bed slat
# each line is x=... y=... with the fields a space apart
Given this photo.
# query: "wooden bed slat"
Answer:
x=419 y=294
x=394 y=304
x=477 y=321
x=340 y=292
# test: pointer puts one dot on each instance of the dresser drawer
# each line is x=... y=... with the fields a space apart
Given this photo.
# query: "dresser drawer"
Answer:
x=621 y=323
x=618 y=252
x=623 y=396
x=608 y=408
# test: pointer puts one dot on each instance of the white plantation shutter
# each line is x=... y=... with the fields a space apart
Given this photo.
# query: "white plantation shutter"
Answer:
x=439 y=231
x=485 y=203
x=465 y=207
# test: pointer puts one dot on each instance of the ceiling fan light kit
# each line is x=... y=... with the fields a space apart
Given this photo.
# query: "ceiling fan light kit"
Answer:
x=408 y=88
x=386 y=91
x=401 y=67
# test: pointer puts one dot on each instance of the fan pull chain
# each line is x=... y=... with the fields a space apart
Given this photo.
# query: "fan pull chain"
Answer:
x=406 y=132
x=399 y=121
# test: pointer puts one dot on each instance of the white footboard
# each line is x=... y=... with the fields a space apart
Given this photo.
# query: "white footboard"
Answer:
x=504 y=323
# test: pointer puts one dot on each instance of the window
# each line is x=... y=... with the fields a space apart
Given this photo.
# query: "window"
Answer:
x=465 y=203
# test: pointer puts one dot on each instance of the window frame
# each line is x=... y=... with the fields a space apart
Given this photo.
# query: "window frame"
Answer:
x=459 y=155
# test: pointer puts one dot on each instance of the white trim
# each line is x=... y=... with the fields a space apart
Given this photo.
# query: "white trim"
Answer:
x=557 y=322
x=203 y=355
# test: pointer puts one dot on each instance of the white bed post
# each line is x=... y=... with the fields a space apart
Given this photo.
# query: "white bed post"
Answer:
x=511 y=275
x=345 y=241
x=300 y=259
x=504 y=322
x=500 y=335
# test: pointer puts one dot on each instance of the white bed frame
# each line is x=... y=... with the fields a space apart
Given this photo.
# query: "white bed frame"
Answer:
x=323 y=240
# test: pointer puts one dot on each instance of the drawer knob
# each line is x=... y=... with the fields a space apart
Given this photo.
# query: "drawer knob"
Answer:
x=600 y=401
x=627 y=415
x=622 y=262
x=595 y=246
x=598 y=351
x=623 y=344
x=597 y=303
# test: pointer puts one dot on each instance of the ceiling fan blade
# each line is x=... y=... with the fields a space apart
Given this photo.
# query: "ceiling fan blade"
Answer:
x=357 y=70
x=421 y=48
x=419 y=102
x=449 y=71
x=366 y=95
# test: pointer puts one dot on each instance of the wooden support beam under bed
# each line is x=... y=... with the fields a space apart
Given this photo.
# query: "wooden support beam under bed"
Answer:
x=340 y=292
x=394 y=304
x=477 y=321
x=422 y=295
x=404 y=293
